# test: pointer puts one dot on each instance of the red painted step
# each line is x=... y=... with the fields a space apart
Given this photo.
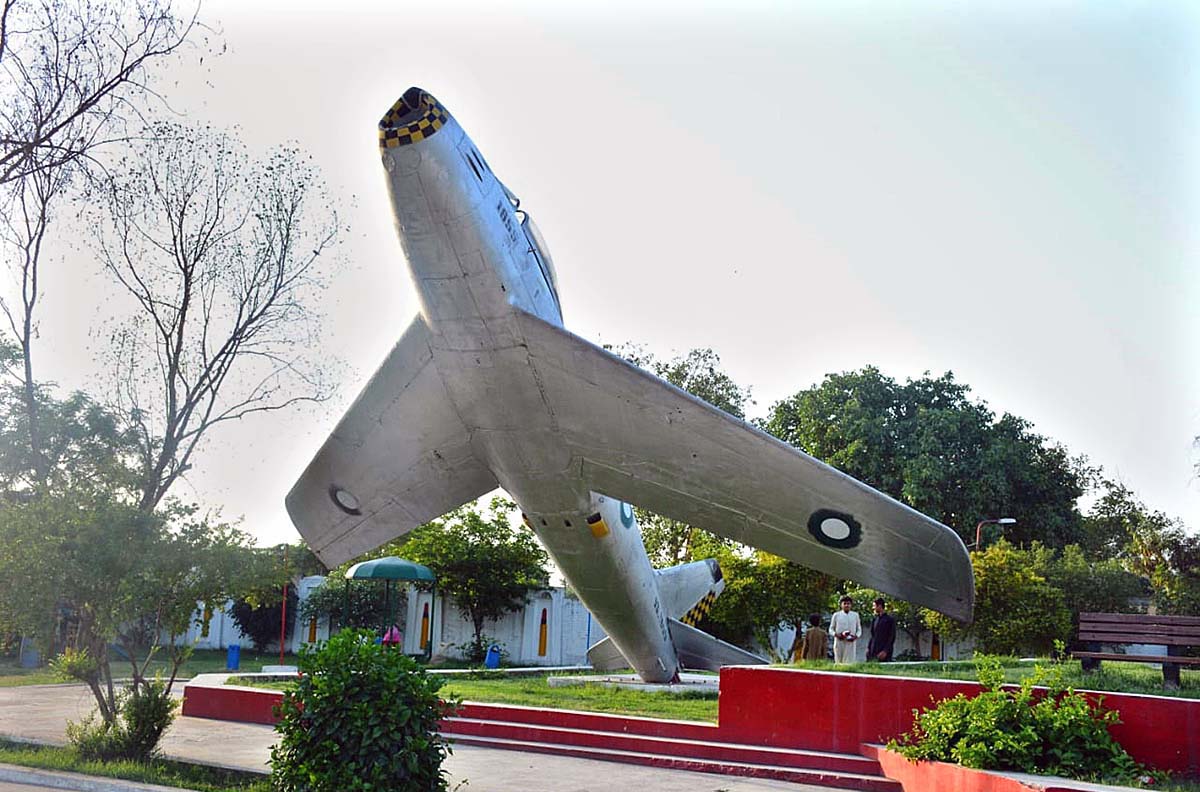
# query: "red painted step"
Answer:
x=670 y=746
x=596 y=721
x=815 y=777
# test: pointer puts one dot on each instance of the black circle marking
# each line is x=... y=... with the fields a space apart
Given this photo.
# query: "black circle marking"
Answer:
x=345 y=500
x=835 y=529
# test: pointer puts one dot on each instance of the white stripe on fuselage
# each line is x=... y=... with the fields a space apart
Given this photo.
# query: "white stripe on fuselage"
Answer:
x=472 y=266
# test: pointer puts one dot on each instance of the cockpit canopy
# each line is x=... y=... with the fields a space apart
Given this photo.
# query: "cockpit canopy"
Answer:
x=537 y=244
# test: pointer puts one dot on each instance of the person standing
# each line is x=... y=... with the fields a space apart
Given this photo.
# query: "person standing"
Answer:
x=815 y=643
x=883 y=633
x=846 y=628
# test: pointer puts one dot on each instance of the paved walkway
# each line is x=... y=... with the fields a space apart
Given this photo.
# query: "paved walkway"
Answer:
x=40 y=712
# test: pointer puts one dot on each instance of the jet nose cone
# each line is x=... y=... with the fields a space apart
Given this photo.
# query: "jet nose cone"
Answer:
x=415 y=116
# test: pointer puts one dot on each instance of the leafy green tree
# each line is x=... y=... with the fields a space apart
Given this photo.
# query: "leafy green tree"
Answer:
x=927 y=443
x=669 y=542
x=81 y=562
x=112 y=574
x=1149 y=544
x=1118 y=522
x=261 y=622
x=1092 y=586
x=83 y=445
x=485 y=566
x=1172 y=559
x=762 y=593
x=327 y=602
x=1016 y=610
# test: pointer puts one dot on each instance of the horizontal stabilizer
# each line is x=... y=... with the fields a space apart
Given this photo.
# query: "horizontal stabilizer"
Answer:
x=605 y=656
x=697 y=649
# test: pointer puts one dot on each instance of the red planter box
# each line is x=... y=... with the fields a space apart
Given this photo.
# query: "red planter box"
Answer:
x=827 y=711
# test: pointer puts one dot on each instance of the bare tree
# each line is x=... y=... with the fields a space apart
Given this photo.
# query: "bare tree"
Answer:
x=23 y=232
x=220 y=254
x=72 y=71
x=71 y=75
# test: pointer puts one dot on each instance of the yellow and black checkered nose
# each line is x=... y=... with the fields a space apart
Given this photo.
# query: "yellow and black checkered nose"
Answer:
x=415 y=116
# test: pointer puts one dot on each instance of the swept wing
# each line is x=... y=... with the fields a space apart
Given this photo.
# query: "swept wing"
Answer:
x=640 y=439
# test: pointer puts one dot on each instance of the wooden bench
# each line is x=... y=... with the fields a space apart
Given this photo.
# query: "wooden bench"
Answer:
x=1175 y=632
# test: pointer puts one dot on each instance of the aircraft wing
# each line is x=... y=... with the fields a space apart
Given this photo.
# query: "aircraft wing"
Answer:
x=640 y=439
x=399 y=457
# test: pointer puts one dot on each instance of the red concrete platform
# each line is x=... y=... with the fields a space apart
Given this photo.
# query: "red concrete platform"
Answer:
x=790 y=724
x=844 y=711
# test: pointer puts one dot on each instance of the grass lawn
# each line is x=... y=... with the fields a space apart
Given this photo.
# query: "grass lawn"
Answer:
x=534 y=691
x=1114 y=677
x=159 y=771
x=202 y=661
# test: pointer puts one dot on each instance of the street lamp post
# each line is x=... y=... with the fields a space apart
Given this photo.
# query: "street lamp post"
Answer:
x=979 y=527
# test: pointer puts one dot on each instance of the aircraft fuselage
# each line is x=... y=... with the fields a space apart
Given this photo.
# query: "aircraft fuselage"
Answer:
x=475 y=259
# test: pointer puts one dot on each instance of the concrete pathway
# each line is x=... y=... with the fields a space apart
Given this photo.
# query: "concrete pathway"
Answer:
x=40 y=713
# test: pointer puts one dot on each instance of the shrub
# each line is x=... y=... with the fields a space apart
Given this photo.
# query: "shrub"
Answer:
x=368 y=607
x=145 y=713
x=1016 y=610
x=1059 y=733
x=260 y=623
x=361 y=717
x=476 y=652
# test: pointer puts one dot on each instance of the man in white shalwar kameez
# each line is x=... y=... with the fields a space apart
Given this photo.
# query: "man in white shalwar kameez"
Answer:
x=847 y=629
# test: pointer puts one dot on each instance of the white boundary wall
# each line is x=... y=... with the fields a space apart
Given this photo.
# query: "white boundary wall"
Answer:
x=570 y=628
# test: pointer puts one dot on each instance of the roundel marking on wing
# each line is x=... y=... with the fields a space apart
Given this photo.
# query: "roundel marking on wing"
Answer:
x=835 y=528
x=345 y=500
x=626 y=515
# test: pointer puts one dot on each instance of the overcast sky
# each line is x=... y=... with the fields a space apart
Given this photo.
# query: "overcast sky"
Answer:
x=1005 y=191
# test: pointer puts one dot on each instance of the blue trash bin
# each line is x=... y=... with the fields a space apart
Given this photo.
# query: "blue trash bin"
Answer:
x=492 y=660
x=29 y=655
x=233 y=657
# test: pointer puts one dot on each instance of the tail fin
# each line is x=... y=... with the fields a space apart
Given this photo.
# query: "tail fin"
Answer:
x=688 y=591
x=698 y=649
x=605 y=656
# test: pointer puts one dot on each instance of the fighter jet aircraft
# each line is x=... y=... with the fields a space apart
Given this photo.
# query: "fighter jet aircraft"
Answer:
x=487 y=389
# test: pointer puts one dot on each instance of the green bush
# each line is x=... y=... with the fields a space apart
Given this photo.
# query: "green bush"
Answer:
x=145 y=713
x=260 y=623
x=1017 y=611
x=368 y=606
x=1060 y=733
x=361 y=717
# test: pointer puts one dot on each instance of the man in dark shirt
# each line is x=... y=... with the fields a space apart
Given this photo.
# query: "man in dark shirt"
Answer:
x=883 y=633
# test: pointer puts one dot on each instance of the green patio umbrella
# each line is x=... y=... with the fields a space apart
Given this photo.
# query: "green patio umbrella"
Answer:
x=388 y=569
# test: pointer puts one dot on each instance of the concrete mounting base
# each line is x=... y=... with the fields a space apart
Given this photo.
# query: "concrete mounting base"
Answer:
x=688 y=683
